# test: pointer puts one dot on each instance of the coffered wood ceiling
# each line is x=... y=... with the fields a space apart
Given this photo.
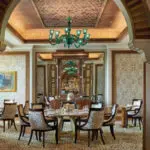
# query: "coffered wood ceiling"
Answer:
x=84 y=13
x=33 y=18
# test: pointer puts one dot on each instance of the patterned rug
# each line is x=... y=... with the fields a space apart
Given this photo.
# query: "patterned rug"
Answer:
x=126 y=139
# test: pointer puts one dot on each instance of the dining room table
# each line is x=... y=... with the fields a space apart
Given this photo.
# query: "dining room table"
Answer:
x=72 y=115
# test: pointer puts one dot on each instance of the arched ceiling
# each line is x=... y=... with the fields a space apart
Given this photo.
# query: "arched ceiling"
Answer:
x=32 y=19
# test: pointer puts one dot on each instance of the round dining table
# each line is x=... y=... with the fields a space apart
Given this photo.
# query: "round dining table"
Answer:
x=71 y=115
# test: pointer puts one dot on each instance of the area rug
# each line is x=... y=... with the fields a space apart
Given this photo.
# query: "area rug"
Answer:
x=126 y=139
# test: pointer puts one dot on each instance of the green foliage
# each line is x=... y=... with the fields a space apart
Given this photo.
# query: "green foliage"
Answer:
x=71 y=68
x=70 y=63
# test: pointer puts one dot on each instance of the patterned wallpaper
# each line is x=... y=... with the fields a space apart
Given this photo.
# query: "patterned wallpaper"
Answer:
x=14 y=63
x=128 y=78
x=100 y=80
x=40 y=79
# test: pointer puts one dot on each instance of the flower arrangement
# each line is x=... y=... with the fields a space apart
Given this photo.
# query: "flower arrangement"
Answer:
x=70 y=68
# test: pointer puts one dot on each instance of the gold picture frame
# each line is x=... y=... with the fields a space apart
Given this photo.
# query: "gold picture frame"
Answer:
x=8 y=81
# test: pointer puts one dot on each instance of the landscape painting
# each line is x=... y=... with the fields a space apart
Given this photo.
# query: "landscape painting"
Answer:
x=8 y=81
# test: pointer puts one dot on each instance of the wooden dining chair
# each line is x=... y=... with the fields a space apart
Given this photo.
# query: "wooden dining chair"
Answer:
x=8 y=114
x=93 y=124
x=135 y=112
x=37 y=106
x=82 y=103
x=26 y=108
x=24 y=121
x=55 y=104
x=39 y=124
x=110 y=122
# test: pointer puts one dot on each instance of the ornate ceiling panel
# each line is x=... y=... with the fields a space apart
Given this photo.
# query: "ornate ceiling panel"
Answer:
x=25 y=16
x=83 y=12
x=31 y=18
x=109 y=15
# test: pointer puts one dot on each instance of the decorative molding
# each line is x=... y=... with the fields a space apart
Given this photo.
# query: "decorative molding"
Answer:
x=142 y=47
x=17 y=34
x=2 y=46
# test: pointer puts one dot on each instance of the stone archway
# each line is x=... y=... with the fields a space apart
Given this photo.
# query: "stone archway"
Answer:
x=133 y=11
x=6 y=8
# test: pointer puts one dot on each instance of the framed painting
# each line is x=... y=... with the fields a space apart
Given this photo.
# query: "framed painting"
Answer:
x=8 y=81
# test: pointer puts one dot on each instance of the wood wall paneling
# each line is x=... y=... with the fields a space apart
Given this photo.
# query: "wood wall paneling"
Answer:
x=52 y=80
x=41 y=79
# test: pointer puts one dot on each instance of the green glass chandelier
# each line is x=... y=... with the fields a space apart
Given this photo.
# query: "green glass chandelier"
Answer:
x=69 y=39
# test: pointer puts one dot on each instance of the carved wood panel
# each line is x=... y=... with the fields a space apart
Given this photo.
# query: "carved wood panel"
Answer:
x=52 y=80
x=41 y=79
x=99 y=79
x=87 y=79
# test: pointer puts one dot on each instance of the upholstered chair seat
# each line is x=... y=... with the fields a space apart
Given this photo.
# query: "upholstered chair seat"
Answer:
x=130 y=113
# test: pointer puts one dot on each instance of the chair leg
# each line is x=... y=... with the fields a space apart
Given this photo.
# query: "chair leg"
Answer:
x=56 y=135
x=135 y=122
x=93 y=134
x=8 y=124
x=24 y=130
x=112 y=131
x=75 y=141
x=11 y=123
x=39 y=136
x=88 y=138
x=62 y=124
x=132 y=120
x=101 y=134
x=21 y=128
x=43 y=139
x=36 y=135
x=3 y=125
x=30 y=137
x=139 y=122
x=96 y=134
x=14 y=124
x=126 y=123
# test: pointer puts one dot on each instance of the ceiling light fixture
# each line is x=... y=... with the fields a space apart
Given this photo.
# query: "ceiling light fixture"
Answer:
x=68 y=39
